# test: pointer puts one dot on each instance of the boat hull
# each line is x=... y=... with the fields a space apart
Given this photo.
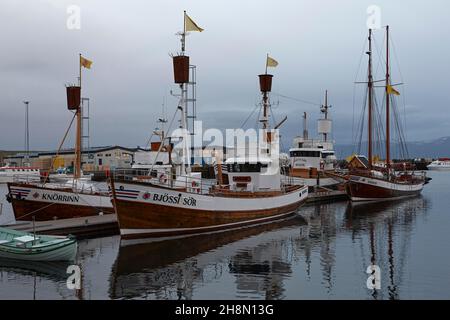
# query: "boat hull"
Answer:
x=369 y=189
x=142 y=213
x=439 y=168
x=45 y=204
x=66 y=251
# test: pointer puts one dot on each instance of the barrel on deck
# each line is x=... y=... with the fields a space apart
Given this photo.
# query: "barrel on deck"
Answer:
x=181 y=69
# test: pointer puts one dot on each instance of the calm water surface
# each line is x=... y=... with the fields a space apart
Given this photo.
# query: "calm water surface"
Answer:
x=323 y=254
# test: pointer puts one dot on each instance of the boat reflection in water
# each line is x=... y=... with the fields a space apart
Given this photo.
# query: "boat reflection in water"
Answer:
x=171 y=269
x=36 y=272
x=262 y=261
x=55 y=271
x=387 y=228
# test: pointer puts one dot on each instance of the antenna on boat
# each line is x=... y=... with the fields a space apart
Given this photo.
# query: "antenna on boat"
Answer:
x=325 y=123
x=305 y=126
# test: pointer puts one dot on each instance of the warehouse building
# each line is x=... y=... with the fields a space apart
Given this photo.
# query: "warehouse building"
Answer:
x=93 y=159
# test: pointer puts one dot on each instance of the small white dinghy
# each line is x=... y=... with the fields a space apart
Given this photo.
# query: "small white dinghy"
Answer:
x=20 y=245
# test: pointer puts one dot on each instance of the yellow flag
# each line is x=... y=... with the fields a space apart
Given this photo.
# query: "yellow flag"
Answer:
x=350 y=158
x=85 y=62
x=391 y=90
x=271 y=62
x=190 y=25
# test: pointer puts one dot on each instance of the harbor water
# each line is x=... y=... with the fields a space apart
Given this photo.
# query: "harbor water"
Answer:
x=323 y=253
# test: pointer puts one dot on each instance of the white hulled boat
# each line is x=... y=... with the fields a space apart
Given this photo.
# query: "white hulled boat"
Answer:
x=311 y=159
x=9 y=174
x=442 y=164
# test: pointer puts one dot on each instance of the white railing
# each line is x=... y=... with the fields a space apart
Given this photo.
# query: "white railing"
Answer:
x=167 y=180
x=22 y=178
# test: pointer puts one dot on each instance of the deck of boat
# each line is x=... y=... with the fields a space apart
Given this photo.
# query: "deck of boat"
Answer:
x=86 y=227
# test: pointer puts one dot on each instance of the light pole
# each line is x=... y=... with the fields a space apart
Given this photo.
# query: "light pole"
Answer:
x=27 y=134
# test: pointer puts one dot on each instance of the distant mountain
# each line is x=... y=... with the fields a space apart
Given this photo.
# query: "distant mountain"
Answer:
x=420 y=149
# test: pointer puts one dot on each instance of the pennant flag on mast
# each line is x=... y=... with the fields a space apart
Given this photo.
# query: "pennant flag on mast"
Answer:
x=190 y=25
x=391 y=90
x=271 y=62
x=85 y=62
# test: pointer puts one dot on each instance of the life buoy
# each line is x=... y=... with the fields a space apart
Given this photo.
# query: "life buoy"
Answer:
x=163 y=178
x=195 y=186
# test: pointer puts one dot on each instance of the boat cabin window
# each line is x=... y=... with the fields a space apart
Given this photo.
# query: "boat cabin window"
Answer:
x=308 y=154
x=327 y=154
x=246 y=167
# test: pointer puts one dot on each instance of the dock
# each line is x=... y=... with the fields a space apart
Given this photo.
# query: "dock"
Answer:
x=84 y=227
x=326 y=195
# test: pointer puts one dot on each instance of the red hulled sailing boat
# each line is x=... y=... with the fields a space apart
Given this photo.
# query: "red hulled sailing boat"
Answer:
x=386 y=181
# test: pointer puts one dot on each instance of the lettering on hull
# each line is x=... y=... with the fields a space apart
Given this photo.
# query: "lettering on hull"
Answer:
x=60 y=197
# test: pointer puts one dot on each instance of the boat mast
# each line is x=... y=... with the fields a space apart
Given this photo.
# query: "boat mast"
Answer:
x=370 y=105
x=181 y=77
x=325 y=112
x=77 y=169
x=305 y=126
x=265 y=86
x=265 y=120
x=388 y=100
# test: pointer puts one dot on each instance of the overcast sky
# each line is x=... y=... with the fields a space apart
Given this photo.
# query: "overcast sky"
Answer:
x=318 y=45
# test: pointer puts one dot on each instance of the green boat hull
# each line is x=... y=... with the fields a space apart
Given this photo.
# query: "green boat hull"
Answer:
x=44 y=248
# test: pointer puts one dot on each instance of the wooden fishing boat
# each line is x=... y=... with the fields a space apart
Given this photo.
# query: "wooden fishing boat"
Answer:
x=186 y=204
x=43 y=202
x=73 y=198
x=145 y=210
x=19 y=245
x=382 y=181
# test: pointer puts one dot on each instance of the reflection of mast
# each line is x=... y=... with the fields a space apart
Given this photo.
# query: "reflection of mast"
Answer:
x=327 y=252
x=79 y=292
x=373 y=253
x=392 y=288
